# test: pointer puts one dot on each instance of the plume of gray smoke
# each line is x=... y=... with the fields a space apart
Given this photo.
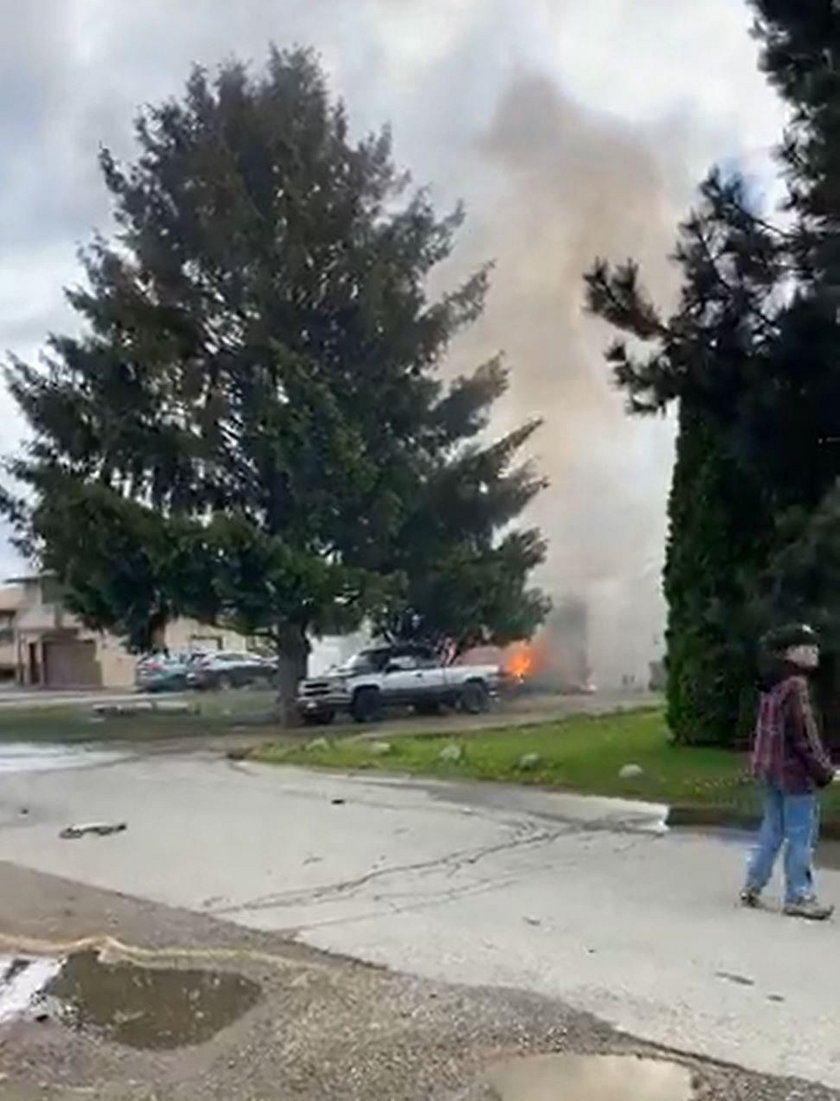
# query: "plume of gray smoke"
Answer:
x=569 y=185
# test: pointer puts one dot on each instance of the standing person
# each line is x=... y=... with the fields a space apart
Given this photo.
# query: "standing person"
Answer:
x=790 y=762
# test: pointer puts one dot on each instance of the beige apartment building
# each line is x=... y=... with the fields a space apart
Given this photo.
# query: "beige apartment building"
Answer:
x=10 y=602
x=44 y=645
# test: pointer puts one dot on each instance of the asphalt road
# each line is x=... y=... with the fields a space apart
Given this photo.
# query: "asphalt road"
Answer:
x=577 y=899
x=325 y=1028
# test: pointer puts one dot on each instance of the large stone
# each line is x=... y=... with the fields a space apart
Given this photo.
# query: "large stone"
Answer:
x=529 y=762
x=318 y=744
x=631 y=772
x=451 y=755
x=381 y=749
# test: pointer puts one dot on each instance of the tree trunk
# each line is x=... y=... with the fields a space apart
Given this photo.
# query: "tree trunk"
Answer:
x=292 y=661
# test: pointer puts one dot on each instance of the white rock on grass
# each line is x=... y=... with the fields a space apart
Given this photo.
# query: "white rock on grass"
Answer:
x=631 y=772
x=530 y=762
x=381 y=749
x=452 y=755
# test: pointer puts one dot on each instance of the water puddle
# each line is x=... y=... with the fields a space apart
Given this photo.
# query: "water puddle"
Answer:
x=591 y=1078
x=26 y=757
x=142 y=1007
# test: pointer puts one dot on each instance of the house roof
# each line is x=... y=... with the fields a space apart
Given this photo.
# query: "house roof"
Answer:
x=28 y=578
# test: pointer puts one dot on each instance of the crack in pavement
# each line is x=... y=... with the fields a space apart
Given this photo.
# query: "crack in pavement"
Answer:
x=452 y=863
x=428 y=902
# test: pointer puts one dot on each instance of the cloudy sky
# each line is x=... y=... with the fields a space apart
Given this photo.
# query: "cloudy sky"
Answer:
x=570 y=128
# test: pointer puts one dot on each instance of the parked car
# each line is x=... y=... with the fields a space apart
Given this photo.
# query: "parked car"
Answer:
x=162 y=673
x=396 y=676
x=227 y=669
x=166 y=672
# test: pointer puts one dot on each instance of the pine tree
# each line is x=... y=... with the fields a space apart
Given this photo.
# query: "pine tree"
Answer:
x=463 y=583
x=767 y=404
x=704 y=359
x=251 y=425
x=795 y=419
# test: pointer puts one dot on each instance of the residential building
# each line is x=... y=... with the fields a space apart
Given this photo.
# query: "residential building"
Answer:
x=51 y=648
x=10 y=603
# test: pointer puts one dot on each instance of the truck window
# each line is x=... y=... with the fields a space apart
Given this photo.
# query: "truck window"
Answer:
x=403 y=663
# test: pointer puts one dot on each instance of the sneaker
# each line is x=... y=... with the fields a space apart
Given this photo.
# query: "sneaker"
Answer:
x=810 y=909
x=751 y=899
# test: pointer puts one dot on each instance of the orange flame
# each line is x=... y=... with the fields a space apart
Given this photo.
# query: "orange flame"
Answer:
x=521 y=661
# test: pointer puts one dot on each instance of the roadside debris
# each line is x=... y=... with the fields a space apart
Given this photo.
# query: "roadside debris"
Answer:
x=97 y=829
x=143 y=707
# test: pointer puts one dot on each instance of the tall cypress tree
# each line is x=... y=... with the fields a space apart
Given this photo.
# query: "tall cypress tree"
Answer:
x=770 y=412
x=703 y=359
x=794 y=421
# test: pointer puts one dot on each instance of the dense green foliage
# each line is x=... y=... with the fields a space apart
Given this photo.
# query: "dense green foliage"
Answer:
x=751 y=359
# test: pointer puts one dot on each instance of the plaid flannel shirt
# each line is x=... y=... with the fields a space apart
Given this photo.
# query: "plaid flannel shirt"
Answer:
x=788 y=750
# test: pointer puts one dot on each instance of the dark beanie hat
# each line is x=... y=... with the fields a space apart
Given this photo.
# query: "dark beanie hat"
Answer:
x=784 y=638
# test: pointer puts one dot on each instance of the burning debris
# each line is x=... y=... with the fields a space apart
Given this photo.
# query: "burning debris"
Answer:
x=556 y=660
x=521 y=661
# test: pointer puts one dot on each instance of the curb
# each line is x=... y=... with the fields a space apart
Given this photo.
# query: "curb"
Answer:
x=688 y=816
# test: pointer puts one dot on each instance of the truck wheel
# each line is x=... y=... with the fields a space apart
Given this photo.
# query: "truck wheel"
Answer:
x=474 y=697
x=366 y=705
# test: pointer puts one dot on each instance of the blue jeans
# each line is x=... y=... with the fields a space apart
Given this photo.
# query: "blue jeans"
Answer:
x=792 y=820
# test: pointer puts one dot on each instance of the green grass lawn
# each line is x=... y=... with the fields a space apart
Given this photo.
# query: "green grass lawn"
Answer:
x=583 y=754
x=215 y=713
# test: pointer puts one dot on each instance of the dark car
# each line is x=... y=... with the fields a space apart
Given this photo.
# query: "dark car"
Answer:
x=227 y=669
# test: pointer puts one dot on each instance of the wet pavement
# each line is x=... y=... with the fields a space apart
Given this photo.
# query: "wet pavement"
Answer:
x=18 y=757
x=584 y=901
x=323 y=1029
x=591 y=1078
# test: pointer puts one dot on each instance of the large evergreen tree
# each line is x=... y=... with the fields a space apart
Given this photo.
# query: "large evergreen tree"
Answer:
x=250 y=426
x=767 y=404
x=795 y=419
x=704 y=358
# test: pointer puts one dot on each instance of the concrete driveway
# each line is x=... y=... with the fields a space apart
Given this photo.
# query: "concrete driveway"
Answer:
x=583 y=900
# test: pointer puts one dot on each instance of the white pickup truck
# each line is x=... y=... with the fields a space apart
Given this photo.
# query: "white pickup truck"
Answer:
x=396 y=676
